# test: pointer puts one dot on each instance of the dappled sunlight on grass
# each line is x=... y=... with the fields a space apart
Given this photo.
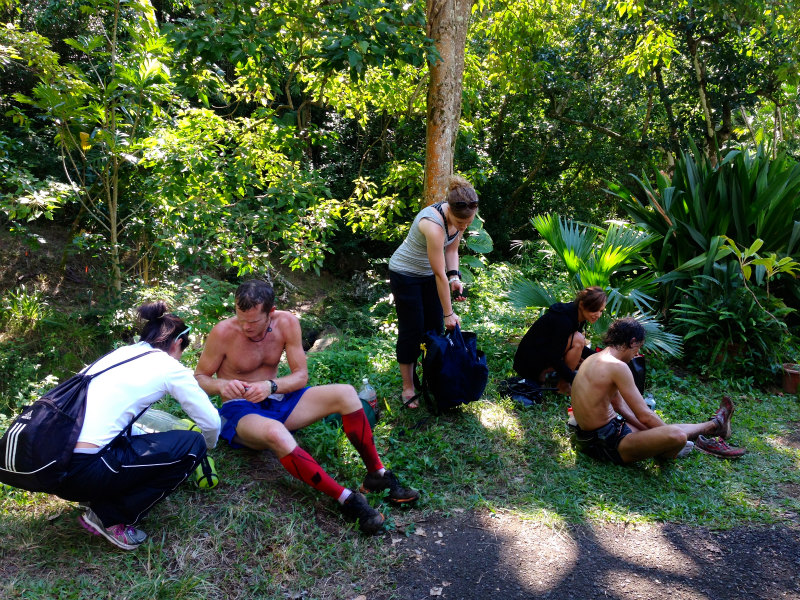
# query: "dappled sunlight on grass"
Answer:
x=493 y=416
x=610 y=512
x=539 y=515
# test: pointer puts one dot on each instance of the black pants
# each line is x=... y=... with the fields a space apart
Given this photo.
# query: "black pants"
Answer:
x=418 y=310
x=125 y=481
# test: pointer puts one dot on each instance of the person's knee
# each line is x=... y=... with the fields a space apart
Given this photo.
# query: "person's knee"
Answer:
x=578 y=340
x=675 y=436
x=264 y=434
x=188 y=443
x=574 y=350
x=276 y=439
x=347 y=397
x=198 y=444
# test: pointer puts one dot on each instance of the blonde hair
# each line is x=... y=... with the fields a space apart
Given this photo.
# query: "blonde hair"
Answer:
x=461 y=190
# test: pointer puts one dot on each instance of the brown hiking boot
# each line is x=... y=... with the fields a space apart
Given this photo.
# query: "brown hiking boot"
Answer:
x=722 y=419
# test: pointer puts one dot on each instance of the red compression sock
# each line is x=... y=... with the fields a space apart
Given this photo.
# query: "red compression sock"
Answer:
x=356 y=427
x=301 y=465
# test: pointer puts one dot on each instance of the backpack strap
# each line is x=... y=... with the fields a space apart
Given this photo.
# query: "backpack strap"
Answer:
x=424 y=386
x=126 y=431
x=438 y=207
x=93 y=375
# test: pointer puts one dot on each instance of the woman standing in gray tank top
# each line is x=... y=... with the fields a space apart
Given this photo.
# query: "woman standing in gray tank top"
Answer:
x=424 y=270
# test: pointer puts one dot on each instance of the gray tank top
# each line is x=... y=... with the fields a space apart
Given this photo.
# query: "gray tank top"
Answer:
x=411 y=258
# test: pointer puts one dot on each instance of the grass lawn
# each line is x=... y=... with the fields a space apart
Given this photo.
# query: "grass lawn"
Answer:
x=261 y=534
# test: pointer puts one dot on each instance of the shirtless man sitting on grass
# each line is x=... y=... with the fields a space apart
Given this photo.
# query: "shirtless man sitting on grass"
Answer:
x=614 y=422
x=261 y=410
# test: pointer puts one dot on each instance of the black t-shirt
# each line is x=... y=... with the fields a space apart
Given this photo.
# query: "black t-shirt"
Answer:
x=545 y=342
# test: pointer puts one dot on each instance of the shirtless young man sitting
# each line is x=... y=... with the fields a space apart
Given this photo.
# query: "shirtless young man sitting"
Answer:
x=260 y=410
x=614 y=422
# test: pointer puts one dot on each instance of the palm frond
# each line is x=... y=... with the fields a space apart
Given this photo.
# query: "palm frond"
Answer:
x=571 y=242
x=525 y=293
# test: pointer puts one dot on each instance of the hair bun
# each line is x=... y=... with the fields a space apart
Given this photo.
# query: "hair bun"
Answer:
x=152 y=310
x=457 y=181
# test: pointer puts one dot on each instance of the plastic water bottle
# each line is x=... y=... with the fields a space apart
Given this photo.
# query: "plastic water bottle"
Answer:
x=650 y=401
x=571 y=422
x=368 y=395
x=155 y=421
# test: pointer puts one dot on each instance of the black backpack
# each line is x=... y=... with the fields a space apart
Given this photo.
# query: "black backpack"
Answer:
x=527 y=393
x=36 y=450
x=454 y=371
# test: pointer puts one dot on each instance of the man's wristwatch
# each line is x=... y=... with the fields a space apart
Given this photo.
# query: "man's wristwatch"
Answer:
x=274 y=386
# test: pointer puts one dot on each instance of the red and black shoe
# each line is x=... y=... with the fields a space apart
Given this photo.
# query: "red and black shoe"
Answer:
x=718 y=447
x=722 y=418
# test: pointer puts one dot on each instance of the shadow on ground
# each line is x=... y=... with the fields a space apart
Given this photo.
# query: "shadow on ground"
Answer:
x=481 y=555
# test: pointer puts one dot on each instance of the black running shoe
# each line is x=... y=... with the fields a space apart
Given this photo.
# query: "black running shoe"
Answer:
x=356 y=507
x=388 y=481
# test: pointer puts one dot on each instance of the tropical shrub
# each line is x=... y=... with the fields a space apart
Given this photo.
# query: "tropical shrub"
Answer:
x=609 y=258
x=729 y=328
x=748 y=196
x=21 y=309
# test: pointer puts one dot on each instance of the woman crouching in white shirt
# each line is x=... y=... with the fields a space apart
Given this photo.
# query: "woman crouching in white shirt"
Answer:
x=120 y=480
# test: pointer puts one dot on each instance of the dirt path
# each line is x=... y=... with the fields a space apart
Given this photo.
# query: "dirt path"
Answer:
x=472 y=556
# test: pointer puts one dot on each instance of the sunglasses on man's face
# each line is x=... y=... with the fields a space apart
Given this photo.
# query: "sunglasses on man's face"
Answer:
x=471 y=205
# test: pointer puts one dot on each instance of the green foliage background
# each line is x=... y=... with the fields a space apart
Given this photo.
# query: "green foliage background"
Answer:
x=243 y=135
x=184 y=145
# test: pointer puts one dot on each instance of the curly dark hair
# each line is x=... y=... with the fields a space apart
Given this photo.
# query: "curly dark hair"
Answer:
x=623 y=331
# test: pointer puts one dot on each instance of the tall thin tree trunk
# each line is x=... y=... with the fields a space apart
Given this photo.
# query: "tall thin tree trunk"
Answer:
x=447 y=25
x=112 y=186
x=674 y=145
x=699 y=73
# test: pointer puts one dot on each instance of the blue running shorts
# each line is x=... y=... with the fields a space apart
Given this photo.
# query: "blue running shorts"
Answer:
x=277 y=407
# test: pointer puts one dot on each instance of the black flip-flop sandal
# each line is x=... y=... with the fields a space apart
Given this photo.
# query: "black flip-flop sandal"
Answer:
x=413 y=398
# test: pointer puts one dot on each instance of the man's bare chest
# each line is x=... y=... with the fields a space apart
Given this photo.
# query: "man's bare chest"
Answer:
x=251 y=358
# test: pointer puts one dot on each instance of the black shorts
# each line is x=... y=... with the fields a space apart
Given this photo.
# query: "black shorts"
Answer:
x=602 y=443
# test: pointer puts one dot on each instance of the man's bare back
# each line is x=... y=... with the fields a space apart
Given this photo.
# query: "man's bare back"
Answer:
x=604 y=387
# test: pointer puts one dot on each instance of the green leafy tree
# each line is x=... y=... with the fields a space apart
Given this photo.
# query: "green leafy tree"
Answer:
x=102 y=111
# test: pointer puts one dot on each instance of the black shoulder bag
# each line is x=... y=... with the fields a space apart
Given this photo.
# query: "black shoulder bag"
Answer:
x=36 y=450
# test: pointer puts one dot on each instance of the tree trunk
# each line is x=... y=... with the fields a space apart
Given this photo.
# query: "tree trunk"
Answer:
x=674 y=143
x=712 y=147
x=447 y=22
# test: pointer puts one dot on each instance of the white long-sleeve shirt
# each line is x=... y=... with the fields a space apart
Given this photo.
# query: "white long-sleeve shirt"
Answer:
x=117 y=396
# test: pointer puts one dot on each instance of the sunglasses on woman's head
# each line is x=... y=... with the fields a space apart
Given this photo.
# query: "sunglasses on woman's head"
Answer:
x=471 y=205
x=185 y=331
